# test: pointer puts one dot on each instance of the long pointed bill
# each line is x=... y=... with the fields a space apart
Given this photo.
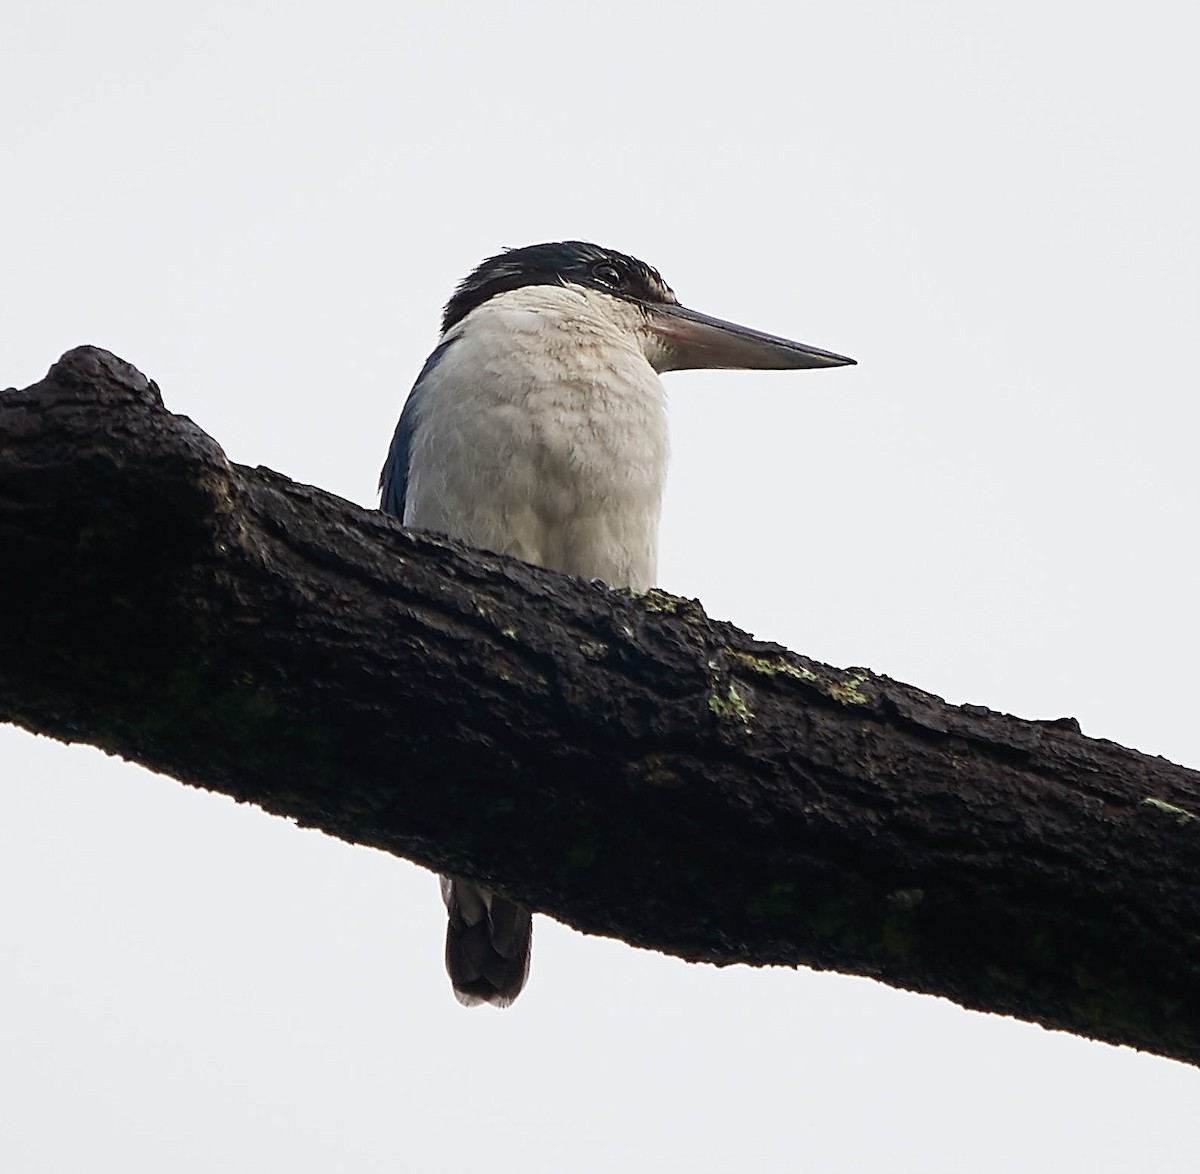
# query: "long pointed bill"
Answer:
x=695 y=341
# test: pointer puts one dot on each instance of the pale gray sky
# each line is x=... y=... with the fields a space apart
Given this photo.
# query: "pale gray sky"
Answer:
x=992 y=206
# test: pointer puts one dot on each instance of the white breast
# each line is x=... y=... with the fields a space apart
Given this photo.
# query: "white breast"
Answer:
x=542 y=433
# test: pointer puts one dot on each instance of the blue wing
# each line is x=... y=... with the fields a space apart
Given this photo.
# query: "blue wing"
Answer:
x=393 y=481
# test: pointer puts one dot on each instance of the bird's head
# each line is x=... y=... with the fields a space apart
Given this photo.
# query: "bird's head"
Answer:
x=673 y=337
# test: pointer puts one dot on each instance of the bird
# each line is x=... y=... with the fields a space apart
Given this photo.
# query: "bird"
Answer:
x=537 y=428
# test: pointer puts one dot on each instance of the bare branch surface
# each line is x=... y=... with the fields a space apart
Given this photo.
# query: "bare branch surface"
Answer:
x=625 y=764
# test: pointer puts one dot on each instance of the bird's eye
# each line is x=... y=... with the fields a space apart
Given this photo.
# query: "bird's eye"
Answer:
x=608 y=274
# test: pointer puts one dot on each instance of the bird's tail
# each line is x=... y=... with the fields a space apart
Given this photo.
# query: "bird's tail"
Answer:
x=488 y=940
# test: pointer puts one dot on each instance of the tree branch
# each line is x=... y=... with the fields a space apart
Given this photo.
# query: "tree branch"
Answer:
x=626 y=764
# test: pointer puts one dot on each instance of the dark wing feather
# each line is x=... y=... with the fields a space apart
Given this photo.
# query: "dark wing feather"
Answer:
x=393 y=481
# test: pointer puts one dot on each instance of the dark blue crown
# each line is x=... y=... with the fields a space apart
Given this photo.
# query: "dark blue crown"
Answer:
x=557 y=263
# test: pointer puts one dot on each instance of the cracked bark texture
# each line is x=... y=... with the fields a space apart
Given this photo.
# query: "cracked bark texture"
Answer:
x=622 y=763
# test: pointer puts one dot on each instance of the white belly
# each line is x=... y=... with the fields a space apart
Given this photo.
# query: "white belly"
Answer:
x=542 y=433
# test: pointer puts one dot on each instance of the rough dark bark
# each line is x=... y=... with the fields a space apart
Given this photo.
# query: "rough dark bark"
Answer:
x=625 y=764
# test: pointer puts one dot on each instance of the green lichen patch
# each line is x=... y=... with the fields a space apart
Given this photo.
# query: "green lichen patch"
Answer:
x=1182 y=816
x=773 y=666
x=777 y=903
x=848 y=691
x=731 y=707
x=898 y=935
x=581 y=856
x=659 y=602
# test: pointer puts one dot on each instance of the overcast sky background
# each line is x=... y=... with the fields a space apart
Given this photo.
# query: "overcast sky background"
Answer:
x=991 y=206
